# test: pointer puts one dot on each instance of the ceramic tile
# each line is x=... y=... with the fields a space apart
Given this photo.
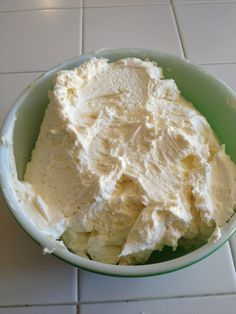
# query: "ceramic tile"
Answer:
x=207 y=30
x=225 y=72
x=14 y=5
x=204 y=305
x=28 y=277
x=204 y=277
x=111 y=3
x=60 y=309
x=11 y=85
x=37 y=40
x=130 y=28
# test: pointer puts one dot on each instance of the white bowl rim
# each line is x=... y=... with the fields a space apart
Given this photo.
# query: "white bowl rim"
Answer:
x=62 y=253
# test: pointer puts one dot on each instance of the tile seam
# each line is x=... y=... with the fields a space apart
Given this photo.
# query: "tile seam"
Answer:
x=6 y=306
x=178 y=28
x=39 y=9
x=120 y=301
x=118 y=6
x=205 y=295
x=79 y=7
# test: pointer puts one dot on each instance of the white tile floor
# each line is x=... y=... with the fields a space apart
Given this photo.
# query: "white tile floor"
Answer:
x=131 y=32
x=37 y=40
x=28 y=277
x=35 y=35
x=205 y=41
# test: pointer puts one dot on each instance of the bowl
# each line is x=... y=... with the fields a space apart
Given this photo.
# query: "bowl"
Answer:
x=213 y=98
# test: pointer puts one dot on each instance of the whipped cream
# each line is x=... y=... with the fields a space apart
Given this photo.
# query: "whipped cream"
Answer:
x=124 y=165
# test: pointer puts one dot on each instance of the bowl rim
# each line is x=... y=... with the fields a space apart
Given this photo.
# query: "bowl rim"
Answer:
x=20 y=216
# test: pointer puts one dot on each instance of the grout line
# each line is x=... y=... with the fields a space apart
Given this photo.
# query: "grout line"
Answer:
x=39 y=9
x=119 y=6
x=206 y=295
x=79 y=7
x=77 y=304
x=37 y=305
x=178 y=29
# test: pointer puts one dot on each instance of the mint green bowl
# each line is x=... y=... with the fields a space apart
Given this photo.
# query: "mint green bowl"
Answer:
x=213 y=98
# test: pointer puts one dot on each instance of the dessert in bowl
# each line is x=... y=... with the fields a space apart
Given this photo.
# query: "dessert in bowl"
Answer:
x=151 y=175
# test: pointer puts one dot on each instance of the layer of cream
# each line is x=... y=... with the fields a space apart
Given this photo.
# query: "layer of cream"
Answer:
x=123 y=165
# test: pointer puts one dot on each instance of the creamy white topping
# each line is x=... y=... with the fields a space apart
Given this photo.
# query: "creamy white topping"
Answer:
x=123 y=165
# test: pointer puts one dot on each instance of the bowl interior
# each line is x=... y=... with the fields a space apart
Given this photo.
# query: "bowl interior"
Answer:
x=212 y=98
